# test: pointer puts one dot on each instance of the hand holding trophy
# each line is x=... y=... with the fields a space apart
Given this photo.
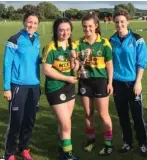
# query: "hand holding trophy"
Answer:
x=83 y=72
x=74 y=62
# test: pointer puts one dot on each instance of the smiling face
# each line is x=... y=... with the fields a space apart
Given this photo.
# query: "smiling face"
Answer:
x=64 y=31
x=121 y=24
x=89 y=27
x=31 y=24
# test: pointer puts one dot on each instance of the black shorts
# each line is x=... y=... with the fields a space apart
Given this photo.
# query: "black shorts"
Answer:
x=64 y=94
x=93 y=87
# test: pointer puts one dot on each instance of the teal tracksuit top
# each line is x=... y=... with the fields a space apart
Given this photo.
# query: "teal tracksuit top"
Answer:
x=128 y=56
x=21 y=60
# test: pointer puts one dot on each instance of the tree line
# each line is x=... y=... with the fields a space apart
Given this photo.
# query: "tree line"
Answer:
x=49 y=11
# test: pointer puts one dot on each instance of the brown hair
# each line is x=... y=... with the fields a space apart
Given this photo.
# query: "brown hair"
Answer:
x=92 y=15
x=56 y=24
x=31 y=13
x=121 y=12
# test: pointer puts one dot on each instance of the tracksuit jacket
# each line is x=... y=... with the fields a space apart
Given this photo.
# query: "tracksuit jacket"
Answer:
x=21 y=60
x=128 y=56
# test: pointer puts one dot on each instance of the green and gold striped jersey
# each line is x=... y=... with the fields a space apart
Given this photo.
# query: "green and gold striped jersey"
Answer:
x=59 y=59
x=101 y=53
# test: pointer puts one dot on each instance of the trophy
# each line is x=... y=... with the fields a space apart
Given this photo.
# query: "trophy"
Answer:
x=83 y=72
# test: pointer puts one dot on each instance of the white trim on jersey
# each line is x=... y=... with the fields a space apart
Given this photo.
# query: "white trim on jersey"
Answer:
x=141 y=40
x=11 y=45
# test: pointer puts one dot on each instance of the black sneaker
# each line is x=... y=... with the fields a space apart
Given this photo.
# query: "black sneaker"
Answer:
x=106 y=151
x=67 y=156
x=143 y=150
x=89 y=145
x=126 y=148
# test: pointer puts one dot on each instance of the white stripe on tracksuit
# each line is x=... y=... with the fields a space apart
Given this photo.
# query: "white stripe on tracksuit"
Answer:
x=10 y=109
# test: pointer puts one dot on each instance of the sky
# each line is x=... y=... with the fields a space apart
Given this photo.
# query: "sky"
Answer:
x=80 y=5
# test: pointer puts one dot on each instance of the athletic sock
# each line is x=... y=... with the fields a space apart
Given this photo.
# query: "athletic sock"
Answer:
x=108 y=138
x=66 y=145
x=90 y=133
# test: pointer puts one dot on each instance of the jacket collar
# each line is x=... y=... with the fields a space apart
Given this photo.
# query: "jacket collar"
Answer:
x=22 y=31
x=115 y=37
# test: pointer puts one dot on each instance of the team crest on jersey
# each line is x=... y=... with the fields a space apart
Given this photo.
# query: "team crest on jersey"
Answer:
x=99 y=53
x=63 y=97
x=131 y=45
x=82 y=90
x=61 y=58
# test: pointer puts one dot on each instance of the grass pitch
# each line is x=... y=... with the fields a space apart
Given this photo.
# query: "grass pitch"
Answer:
x=44 y=142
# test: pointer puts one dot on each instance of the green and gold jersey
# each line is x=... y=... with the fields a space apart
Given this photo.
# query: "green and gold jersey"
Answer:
x=101 y=53
x=59 y=59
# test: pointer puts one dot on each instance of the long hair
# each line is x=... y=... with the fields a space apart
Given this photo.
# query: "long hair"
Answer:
x=55 y=29
x=92 y=15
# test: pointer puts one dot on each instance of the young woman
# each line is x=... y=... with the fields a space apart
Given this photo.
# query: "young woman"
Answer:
x=98 y=85
x=60 y=82
x=21 y=86
x=129 y=59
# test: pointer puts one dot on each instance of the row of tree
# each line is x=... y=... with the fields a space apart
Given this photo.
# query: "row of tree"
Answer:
x=49 y=11
x=129 y=7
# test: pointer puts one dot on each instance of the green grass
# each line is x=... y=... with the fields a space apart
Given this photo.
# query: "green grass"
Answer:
x=44 y=142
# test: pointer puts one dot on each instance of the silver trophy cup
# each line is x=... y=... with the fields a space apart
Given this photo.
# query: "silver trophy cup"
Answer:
x=83 y=72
